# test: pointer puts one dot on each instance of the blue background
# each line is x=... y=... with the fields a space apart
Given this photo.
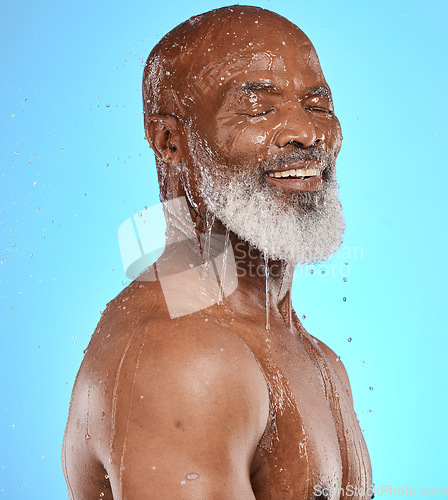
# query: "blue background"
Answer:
x=74 y=166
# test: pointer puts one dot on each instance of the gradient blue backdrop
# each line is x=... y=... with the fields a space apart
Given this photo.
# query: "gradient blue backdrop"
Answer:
x=74 y=165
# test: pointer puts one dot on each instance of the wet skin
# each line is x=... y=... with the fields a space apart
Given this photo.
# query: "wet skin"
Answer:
x=212 y=404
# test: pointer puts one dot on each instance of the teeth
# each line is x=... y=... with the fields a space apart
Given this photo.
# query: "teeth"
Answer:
x=296 y=172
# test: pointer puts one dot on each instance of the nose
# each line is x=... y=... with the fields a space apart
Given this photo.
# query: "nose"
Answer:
x=298 y=129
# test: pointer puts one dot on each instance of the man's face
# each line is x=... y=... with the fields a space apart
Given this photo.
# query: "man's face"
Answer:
x=264 y=125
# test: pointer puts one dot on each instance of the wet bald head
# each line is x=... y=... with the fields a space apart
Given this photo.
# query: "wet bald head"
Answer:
x=186 y=60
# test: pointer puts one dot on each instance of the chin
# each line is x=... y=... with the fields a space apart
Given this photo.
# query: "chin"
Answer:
x=297 y=228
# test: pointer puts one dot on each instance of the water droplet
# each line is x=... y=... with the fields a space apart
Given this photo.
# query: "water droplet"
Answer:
x=370 y=388
x=192 y=476
x=107 y=476
x=323 y=271
x=345 y=280
x=312 y=271
x=87 y=436
x=101 y=494
x=303 y=316
x=349 y=339
x=344 y=299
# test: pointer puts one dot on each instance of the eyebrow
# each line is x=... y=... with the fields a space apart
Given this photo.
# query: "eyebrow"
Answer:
x=257 y=86
x=267 y=87
x=324 y=91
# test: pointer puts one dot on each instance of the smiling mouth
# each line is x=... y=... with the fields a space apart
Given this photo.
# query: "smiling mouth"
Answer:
x=305 y=179
x=296 y=173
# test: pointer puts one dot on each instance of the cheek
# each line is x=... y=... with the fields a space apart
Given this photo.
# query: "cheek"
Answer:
x=333 y=136
x=240 y=139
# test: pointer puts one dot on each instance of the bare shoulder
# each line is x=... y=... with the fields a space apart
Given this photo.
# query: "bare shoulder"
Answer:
x=337 y=365
x=178 y=399
x=193 y=408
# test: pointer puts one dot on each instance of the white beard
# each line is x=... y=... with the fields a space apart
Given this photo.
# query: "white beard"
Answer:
x=297 y=228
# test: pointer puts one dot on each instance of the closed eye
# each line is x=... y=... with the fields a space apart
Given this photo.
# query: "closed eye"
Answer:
x=262 y=113
x=320 y=110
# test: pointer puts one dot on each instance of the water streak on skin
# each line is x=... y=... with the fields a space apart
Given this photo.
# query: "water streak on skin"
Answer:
x=332 y=396
x=281 y=399
x=70 y=489
x=89 y=385
x=224 y=267
x=286 y=283
x=210 y=220
x=266 y=274
x=114 y=397
x=129 y=414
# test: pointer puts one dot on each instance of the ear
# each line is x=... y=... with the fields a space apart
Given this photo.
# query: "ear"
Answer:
x=163 y=133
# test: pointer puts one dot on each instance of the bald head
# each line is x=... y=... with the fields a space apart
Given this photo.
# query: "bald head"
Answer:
x=187 y=60
x=235 y=100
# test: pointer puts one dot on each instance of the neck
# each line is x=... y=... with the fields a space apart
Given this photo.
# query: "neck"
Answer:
x=248 y=281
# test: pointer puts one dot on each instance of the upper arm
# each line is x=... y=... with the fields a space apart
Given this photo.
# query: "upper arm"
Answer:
x=193 y=415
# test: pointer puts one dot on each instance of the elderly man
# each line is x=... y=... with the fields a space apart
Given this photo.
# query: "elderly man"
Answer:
x=231 y=398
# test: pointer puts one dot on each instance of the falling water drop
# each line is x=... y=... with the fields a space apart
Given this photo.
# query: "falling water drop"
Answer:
x=370 y=388
x=349 y=339
x=344 y=299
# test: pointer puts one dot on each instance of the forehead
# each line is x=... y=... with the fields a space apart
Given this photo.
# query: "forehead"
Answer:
x=280 y=54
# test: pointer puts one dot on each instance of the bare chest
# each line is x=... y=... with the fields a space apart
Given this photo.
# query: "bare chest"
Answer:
x=313 y=446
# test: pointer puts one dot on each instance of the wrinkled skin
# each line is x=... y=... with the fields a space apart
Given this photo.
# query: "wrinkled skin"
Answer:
x=213 y=404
